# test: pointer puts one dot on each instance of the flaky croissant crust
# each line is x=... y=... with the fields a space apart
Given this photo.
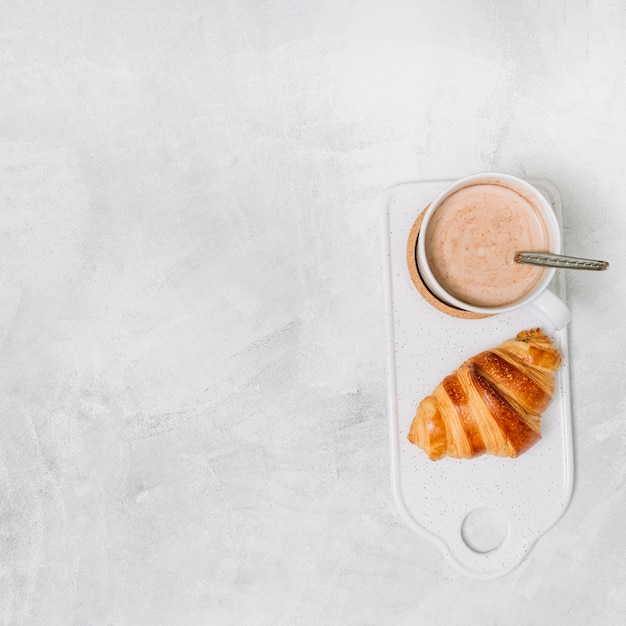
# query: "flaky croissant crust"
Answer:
x=493 y=403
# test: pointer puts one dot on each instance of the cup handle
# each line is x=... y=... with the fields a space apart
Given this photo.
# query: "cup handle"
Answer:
x=550 y=310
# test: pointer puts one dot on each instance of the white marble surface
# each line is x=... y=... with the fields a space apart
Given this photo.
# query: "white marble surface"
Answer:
x=193 y=423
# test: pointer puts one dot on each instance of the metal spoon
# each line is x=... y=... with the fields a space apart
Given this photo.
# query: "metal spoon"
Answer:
x=558 y=260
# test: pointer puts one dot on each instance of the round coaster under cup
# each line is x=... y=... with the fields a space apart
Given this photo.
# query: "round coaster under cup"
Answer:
x=419 y=283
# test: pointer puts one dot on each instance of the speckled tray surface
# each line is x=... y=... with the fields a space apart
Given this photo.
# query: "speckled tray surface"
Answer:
x=425 y=343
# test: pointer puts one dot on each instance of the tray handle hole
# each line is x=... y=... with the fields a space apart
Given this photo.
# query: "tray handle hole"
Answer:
x=484 y=530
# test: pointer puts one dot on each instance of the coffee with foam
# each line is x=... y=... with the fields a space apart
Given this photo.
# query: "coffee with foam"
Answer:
x=472 y=238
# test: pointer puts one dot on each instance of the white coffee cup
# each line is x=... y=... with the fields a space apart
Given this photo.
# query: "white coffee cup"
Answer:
x=546 y=306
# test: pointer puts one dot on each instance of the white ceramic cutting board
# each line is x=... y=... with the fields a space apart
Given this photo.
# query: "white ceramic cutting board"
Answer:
x=485 y=514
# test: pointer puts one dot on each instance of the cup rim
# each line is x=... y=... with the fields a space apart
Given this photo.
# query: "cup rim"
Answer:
x=491 y=177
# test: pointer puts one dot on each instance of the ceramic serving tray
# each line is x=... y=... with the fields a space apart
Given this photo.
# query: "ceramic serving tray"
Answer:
x=484 y=514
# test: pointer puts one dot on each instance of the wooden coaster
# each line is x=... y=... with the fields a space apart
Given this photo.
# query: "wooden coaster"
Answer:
x=419 y=284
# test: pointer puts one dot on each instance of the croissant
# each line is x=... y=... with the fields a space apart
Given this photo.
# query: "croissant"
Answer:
x=492 y=404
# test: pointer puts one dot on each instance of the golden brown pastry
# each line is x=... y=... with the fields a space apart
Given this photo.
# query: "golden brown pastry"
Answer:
x=492 y=404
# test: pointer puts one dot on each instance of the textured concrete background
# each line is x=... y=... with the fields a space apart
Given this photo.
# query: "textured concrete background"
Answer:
x=192 y=404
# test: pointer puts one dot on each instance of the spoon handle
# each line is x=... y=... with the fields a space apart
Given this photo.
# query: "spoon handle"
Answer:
x=558 y=260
